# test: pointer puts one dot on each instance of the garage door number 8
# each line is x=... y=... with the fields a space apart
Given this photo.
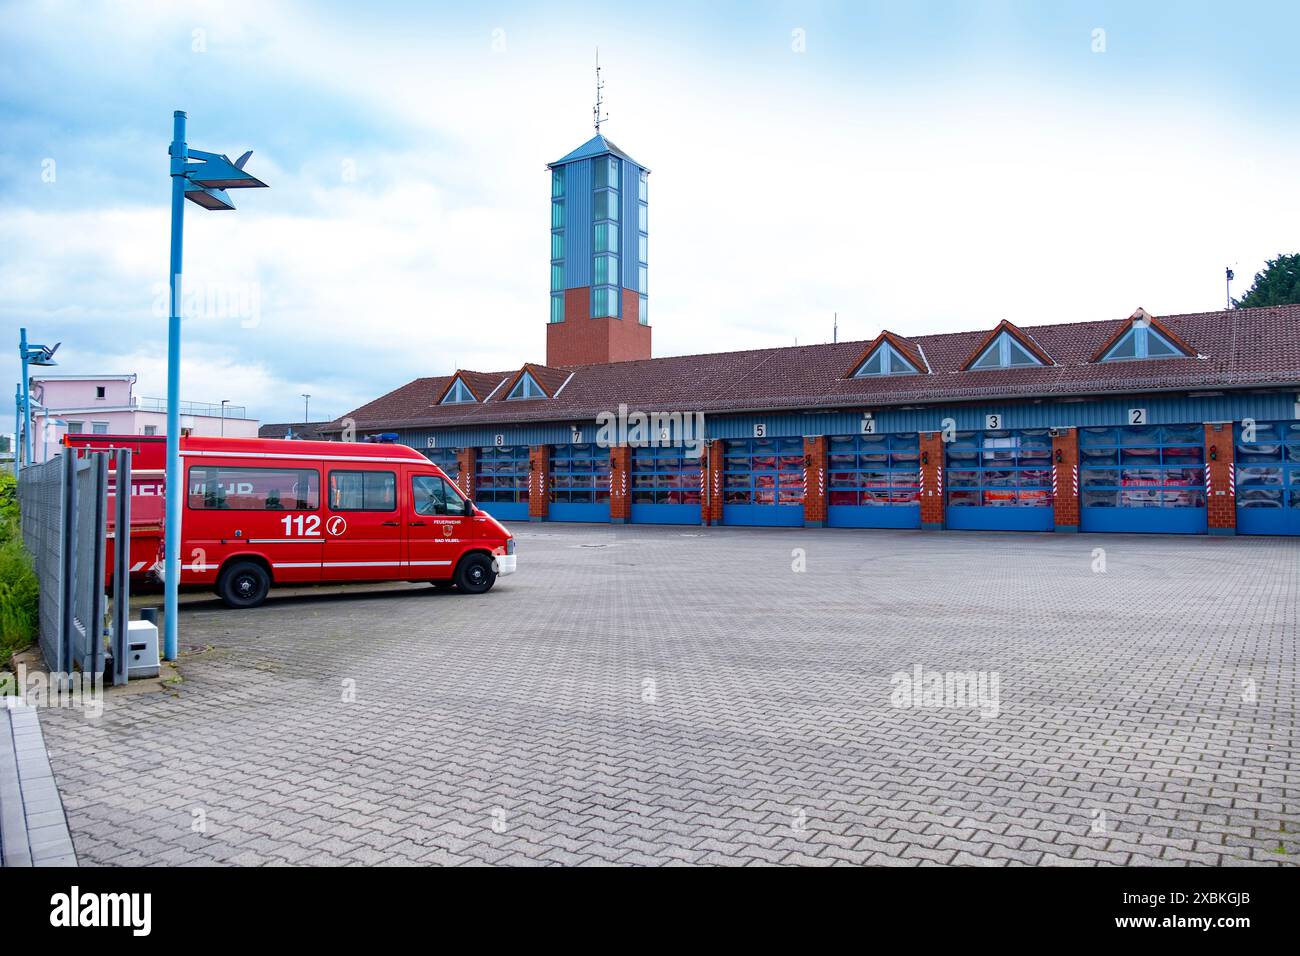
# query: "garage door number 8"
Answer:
x=308 y=526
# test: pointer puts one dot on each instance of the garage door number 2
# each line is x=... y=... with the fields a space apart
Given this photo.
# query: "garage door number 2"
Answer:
x=308 y=526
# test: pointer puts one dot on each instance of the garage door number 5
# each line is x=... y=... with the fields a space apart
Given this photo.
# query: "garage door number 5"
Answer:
x=308 y=526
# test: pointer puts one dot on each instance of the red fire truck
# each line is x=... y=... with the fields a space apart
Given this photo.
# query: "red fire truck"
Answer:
x=262 y=512
x=148 y=468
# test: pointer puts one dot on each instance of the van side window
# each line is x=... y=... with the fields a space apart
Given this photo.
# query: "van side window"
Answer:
x=236 y=488
x=435 y=496
x=363 y=490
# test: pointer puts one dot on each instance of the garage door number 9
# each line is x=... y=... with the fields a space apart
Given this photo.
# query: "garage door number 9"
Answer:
x=308 y=526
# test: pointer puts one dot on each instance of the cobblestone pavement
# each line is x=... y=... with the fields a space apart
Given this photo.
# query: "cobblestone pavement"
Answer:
x=652 y=695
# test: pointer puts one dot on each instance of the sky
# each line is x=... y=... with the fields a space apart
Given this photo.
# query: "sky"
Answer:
x=922 y=167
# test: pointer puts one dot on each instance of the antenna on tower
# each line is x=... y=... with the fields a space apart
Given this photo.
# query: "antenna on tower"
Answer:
x=597 y=114
x=835 y=329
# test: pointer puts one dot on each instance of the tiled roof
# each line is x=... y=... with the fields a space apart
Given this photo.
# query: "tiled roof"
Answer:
x=1241 y=347
x=307 y=431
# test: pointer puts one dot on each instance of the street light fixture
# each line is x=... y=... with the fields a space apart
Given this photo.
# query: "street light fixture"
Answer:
x=203 y=183
x=224 y=403
x=31 y=354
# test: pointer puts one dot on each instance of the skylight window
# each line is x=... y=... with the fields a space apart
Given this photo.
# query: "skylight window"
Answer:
x=526 y=387
x=885 y=360
x=1005 y=351
x=458 y=394
x=1142 y=341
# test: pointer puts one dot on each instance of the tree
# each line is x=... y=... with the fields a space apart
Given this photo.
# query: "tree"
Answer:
x=1278 y=284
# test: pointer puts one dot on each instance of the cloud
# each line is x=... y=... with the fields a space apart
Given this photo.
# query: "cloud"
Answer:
x=405 y=232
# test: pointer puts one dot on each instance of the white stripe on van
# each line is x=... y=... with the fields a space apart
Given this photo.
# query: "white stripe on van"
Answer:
x=353 y=564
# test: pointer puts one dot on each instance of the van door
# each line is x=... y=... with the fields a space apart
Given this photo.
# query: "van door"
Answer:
x=439 y=526
x=363 y=527
x=233 y=509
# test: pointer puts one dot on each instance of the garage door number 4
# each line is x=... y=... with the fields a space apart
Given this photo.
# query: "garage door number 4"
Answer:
x=308 y=526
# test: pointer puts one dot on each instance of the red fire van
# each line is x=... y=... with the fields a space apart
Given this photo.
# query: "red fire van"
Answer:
x=262 y=512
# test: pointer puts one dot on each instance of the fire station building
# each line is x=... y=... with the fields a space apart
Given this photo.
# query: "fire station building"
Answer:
x=1186 y=424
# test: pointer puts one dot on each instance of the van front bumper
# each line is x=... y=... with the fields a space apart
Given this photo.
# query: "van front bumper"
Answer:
x=506 y=563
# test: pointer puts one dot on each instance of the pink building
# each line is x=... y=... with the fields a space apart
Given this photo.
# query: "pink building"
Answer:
x=107 y=405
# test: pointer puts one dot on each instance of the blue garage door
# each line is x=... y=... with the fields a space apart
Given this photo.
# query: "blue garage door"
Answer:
x=579 y=483
x=762 y=481
x=501 y=482
x=665 y=486
x=874 y=481
x=1000 y=481
x=444 y=458
x=1142 y=479
x=1268 y=478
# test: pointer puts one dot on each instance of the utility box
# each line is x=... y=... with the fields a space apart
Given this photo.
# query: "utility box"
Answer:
x=141 y=650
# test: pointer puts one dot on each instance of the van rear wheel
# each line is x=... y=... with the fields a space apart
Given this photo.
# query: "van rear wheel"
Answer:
x=475 y=575
x=244 y=584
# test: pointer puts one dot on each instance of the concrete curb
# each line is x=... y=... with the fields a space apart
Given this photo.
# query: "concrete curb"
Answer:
x=33 y=825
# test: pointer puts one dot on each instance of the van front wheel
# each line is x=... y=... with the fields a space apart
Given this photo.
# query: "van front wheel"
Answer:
x=475 y=574
x=244 y=584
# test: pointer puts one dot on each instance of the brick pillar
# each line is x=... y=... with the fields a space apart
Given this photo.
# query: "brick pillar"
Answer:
x=539 y=482
x=1221 y=478
x=711 y=508
x=1065 y=479
x=466 y=462
x=814 y=481
x=932 y=494
x=620 y=484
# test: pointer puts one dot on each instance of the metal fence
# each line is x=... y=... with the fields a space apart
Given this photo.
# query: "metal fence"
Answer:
x=65 y=508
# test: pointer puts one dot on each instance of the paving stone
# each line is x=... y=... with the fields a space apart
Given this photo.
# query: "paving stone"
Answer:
x=1119 y=693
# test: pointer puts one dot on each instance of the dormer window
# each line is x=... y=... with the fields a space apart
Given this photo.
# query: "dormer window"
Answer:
x=526 y=387
x=458 y=394
x=1005 y=351
x=1142 y=341
x=1143 y=336
x=885 y=360
x=888 y=354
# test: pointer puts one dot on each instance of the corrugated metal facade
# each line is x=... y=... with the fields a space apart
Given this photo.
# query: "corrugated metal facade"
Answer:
x=629 y=200
x=1160 y=410
x=578 y=237
x=577 y=224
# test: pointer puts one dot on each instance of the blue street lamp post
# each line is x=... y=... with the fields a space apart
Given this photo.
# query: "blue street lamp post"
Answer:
x=31 y=354
x=18 y=425
x=203 y=183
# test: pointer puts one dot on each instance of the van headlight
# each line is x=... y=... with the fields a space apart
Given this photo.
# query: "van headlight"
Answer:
x=510 y=546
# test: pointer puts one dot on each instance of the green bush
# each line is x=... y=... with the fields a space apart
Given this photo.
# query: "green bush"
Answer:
x=8 y=502
x=19 y=591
